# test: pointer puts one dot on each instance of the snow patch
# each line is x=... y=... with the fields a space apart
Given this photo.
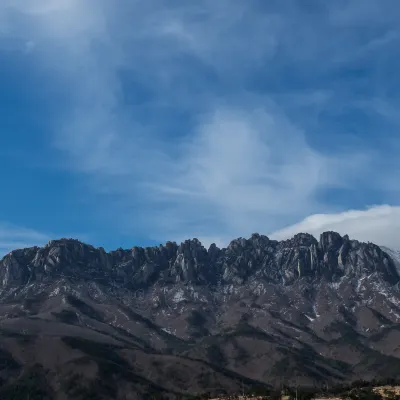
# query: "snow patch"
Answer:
x=55 y=292
x=179 y=296
x=166 y=330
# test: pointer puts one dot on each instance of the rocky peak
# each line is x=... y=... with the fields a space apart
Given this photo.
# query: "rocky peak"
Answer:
x=286 y=261
x=330 y=241
x=170 y=248
x=256 y=243
x=191 y=261
x=300 y=240
x=368 y=258
x=237 y=245
x=259 y=241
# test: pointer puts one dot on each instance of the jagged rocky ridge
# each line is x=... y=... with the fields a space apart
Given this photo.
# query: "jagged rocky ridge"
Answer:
x=182 y=318
x=279 y=262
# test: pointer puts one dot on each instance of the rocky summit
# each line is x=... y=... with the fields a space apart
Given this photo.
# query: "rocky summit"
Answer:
x=175 y=320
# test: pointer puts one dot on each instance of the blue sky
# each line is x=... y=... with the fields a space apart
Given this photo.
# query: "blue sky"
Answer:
x=133 y=123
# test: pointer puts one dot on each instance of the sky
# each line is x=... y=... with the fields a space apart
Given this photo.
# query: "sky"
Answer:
x=133 y=122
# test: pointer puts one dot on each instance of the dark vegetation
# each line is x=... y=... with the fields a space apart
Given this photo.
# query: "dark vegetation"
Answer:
x=30 y=385
x=33 y=383
x=357 y=390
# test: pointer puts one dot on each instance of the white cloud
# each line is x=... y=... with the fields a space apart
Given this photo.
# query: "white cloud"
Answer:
x=239 y=169
x=377 y=224
x=39 y=7
x=243 y=165
x=14 y=237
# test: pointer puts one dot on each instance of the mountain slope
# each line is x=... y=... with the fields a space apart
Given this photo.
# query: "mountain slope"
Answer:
x=179 y=319
x=395 y=255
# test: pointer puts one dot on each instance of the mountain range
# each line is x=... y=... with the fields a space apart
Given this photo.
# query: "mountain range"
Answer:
x=77 y=322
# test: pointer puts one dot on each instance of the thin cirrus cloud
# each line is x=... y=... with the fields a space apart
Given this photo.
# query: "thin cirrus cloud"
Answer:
x=13 y=237
x=17 y=237
x=205 y=119
x=377 y=224
x=245 y=171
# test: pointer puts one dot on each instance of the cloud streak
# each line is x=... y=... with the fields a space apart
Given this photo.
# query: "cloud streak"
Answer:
x=239 y=169
x=377 y=224
x=13 y=237
x=204 y=119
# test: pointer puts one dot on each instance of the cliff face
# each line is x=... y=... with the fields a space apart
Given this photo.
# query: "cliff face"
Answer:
x=185 y=319
x=279 y=262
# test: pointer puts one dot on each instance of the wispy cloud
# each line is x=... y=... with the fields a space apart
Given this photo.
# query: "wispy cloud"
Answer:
x=240 y=171
x=204 y=119
x=377 y=224
x=14 y=237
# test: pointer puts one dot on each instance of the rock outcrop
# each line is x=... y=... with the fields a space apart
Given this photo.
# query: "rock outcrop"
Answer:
x=180 y=318
x=286 y=261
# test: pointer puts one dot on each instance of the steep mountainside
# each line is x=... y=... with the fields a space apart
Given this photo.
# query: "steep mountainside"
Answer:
x=179 y=319
x=395 y=255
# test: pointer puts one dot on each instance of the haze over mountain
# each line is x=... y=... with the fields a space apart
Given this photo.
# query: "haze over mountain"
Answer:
x=183 y=319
